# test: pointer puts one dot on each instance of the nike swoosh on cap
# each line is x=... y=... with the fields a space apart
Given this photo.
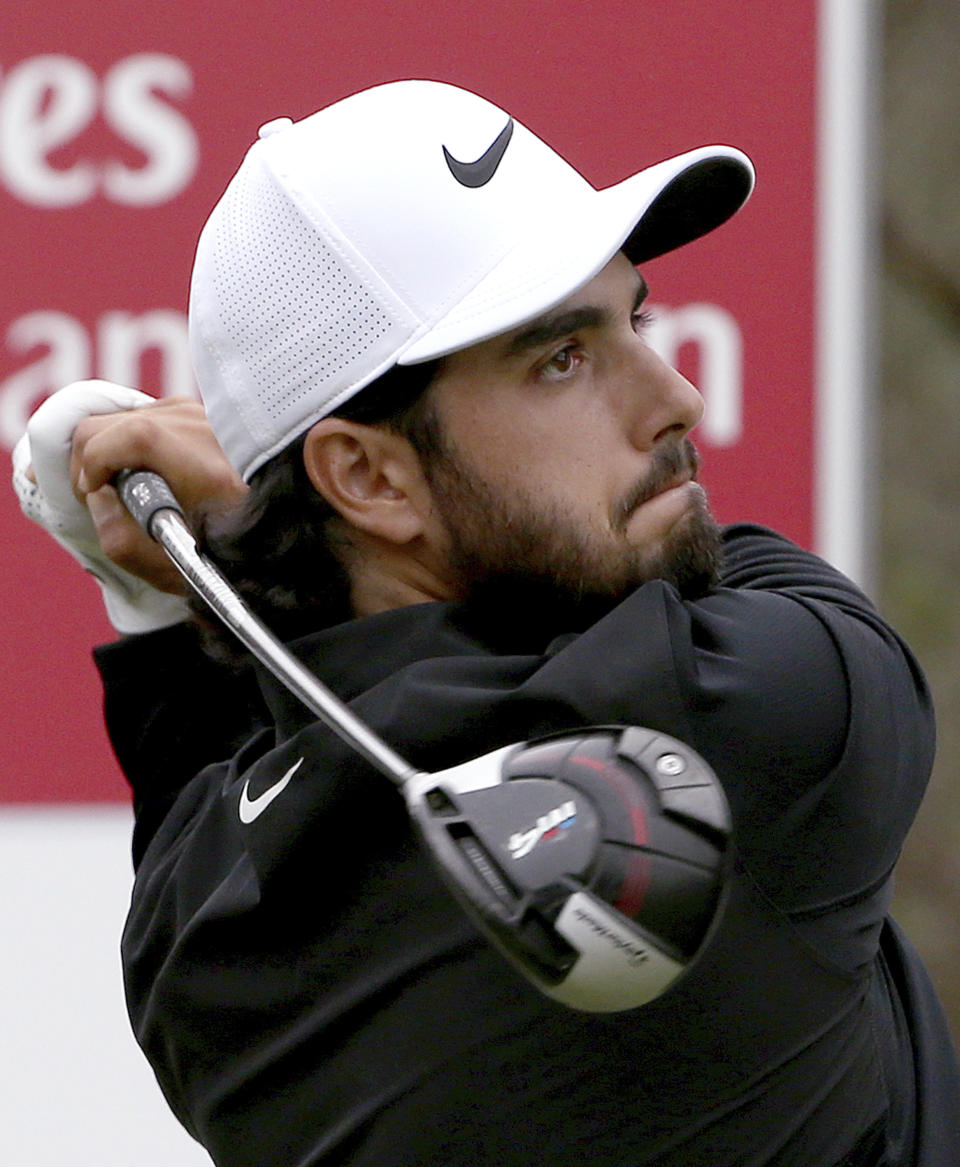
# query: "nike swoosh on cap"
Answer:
x=479 y=173
x=252 y=808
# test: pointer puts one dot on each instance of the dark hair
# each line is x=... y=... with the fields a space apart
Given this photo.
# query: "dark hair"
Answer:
x=280 y=550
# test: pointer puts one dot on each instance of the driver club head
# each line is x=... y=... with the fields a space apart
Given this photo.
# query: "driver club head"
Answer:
x=596 y=860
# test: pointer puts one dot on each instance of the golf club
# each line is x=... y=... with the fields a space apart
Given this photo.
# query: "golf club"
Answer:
x=595 y=859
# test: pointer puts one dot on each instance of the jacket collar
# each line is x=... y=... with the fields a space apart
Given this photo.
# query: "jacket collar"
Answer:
x=353 y=657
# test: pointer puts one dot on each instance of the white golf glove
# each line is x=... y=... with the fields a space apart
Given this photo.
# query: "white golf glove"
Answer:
x=132 y=604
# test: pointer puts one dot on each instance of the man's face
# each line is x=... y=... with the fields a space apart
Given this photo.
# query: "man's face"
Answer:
x=566 y=461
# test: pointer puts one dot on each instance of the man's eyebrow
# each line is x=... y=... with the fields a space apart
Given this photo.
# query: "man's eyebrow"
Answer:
x=548 y=328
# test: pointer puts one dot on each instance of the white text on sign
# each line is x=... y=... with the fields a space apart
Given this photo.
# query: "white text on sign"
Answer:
x=47 y=102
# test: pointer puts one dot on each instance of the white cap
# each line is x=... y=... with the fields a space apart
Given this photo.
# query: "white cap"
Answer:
x=403 y=223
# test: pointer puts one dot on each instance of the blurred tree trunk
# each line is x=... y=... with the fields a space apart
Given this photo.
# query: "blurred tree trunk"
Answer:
x=919 y=484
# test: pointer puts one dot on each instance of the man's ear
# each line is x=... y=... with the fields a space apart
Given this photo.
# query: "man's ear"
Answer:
x=370 y=475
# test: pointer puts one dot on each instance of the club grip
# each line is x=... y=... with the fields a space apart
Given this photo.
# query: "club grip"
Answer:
x=145 y=494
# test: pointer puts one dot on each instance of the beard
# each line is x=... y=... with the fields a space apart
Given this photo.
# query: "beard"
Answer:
x=507 y=553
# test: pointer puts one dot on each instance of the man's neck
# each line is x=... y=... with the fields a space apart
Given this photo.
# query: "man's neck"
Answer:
x=383 y=578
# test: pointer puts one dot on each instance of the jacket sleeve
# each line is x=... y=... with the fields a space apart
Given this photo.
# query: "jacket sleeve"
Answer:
x=811 y=709
x=170 y=710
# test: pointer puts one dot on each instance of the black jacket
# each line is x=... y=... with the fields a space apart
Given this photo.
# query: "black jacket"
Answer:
x=308 y=993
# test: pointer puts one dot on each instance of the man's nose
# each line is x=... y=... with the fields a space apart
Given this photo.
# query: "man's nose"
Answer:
x=666 y=403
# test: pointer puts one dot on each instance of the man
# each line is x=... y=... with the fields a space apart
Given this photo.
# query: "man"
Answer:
x=448 y=464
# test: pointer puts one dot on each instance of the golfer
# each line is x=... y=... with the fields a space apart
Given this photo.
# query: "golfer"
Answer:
x=437 y=455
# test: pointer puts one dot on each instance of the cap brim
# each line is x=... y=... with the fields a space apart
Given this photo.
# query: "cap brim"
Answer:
x=653 y=212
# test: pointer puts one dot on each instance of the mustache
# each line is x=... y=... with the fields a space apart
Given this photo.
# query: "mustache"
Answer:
x=673 y=462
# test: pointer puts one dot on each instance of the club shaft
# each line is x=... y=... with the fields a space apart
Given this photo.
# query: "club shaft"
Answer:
x=160 y=516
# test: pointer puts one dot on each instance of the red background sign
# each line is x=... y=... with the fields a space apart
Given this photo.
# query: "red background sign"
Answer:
x=119 y=131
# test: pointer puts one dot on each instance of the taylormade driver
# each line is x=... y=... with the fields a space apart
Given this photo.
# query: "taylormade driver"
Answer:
x=595 y=860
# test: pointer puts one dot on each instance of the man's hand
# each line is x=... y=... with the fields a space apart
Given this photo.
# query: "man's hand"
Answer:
x=171 y=437
x=63 y=466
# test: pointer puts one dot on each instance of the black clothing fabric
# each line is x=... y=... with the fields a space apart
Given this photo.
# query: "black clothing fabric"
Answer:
x=308 y=993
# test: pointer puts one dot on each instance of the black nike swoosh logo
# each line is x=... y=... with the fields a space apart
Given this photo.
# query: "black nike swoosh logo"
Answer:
x=479 y=173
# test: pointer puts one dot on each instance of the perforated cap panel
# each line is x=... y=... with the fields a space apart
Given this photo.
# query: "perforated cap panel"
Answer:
x=289 y=326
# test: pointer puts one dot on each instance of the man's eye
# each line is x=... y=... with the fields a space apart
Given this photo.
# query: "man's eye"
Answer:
x=642 y=320
x=562 y=363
